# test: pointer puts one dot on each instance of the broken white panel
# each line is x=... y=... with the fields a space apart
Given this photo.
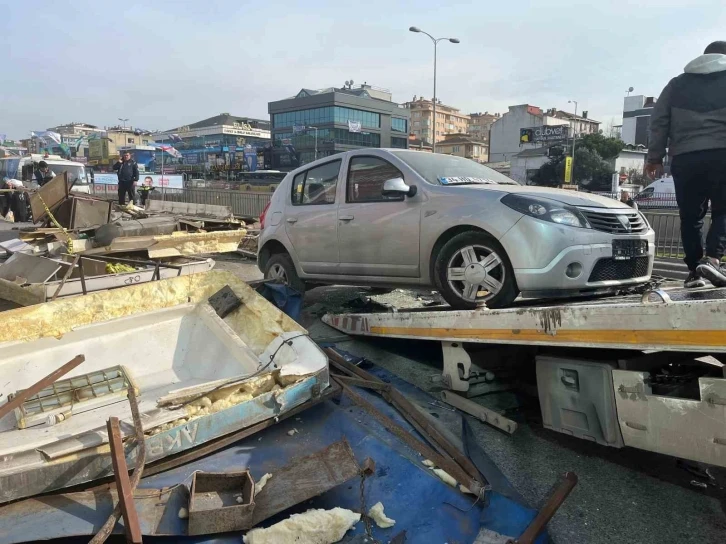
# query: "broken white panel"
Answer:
x=685 y=428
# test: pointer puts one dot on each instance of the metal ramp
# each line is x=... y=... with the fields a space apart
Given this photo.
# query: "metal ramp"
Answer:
x=663 y=320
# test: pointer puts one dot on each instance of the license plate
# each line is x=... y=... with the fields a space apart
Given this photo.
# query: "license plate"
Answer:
x=624 y=250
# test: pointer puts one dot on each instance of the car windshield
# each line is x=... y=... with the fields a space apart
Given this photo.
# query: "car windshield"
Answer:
x=76 y=173
x=449 y=170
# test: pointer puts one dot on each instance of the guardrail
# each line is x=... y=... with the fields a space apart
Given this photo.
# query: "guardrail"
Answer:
x=247 y=205
x=650 y=201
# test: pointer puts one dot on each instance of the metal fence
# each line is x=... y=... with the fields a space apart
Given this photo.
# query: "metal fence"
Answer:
x=247 y=205
x=649 y=201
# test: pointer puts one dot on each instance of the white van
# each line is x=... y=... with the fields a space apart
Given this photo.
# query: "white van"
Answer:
x=23 y=169
x=659 y=194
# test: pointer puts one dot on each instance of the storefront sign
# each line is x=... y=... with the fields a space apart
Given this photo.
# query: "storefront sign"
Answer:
x=544 y=133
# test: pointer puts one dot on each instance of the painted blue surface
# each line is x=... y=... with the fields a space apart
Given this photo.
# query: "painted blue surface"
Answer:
x=429 y=510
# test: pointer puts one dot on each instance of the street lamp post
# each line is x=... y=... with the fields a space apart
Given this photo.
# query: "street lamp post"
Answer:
x=316 y=141
x=436 y=42
x=574 y=137
x=124 y=122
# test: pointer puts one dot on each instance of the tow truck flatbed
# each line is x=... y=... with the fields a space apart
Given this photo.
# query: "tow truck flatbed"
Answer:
x=613 y=402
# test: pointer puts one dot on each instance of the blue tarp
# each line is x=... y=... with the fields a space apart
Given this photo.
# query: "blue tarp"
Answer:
x=426 y=508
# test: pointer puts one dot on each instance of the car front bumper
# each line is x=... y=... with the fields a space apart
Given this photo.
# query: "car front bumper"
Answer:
x=548 y=258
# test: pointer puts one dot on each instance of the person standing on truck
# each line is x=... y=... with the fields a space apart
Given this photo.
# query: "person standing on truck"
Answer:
x=128 y=175
x=43 y=174
x=689 y=119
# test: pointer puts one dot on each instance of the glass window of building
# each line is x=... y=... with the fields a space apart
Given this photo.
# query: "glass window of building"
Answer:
x=399 y=143
x=317 y=185
x=366 y=176
x=399 y=125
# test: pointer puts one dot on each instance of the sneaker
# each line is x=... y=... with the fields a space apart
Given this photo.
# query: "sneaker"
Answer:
x=716 y=274
x=694 y=280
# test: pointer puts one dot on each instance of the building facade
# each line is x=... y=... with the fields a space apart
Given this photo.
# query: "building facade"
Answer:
x=319 y=123
x=449 y=120
x=636 y=119
x=217 y=144
x=74 y=137
x=480 y=124
x=505 y=136
x=463 y=145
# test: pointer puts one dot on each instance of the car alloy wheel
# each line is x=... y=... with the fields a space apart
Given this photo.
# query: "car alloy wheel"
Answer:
x=476 y=273
x=277 y=272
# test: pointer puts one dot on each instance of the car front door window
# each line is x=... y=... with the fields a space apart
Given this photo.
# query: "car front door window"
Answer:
x=366 y=176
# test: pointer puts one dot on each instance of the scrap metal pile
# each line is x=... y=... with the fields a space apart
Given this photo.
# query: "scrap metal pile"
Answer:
x=84 y=244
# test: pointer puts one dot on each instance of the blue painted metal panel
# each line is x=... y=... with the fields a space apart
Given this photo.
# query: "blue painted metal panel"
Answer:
x=428 y=509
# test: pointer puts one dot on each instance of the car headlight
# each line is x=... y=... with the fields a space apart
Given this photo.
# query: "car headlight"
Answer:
x=547 y=210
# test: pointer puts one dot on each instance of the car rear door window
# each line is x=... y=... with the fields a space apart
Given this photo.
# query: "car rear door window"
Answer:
x=366 y=176
x=317 y=185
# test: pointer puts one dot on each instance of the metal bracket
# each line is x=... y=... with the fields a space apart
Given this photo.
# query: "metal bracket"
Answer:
x=457 y=366
x=645 y=299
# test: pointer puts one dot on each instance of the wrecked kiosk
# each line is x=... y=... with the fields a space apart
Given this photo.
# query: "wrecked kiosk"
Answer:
x=199 y=372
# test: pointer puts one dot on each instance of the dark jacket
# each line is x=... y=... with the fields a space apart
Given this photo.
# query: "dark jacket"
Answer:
x=690 y=114
x=128 y=172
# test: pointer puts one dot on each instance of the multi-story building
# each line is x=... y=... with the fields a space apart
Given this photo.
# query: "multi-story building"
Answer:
x=216 y=143
x=75 y=137
x=548 y=127
x=464 y=145
x=581 y=125
x=317 y=123
x=416 y=144
x=636 y=119
x=449 y=120
x=480 y=124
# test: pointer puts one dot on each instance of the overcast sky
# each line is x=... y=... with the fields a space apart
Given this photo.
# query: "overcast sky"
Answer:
x=163 y=64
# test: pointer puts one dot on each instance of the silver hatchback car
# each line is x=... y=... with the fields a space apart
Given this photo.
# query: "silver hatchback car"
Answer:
x=388 y=218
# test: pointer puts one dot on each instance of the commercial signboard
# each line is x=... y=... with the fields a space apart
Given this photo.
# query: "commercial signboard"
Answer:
x=568 y=169
x=545 y=133
x=154 y=180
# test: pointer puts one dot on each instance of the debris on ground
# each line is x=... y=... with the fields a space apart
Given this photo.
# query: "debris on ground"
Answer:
x=445 y=477
x=292 y=432
x=311 y=527
x=377 y=515
x=183 y=513
x=259 y=486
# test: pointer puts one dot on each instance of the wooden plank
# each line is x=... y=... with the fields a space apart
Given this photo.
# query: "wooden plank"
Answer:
x=52 y=194
x=306 y=478
x=38 y=386
x=121 y=475
x=486 y=415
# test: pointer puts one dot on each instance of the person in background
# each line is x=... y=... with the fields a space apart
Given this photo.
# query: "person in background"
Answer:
x=625 y=199
x=43 y=174
x=145 y=189
x=689 y=119
x=128 y=175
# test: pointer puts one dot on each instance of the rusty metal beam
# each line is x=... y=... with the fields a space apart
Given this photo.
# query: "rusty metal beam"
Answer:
x=563 y=489
x=38 y=386
x=362 y=378
x=107 y=528
x=450 y=466
x=121 y=474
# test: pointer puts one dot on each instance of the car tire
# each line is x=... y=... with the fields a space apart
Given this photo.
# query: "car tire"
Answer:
x=453 y=256
x=280 y=267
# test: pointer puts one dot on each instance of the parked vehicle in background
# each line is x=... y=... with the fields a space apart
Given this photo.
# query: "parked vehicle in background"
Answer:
x=404 y=218
x=23 y=169
x=659 y=194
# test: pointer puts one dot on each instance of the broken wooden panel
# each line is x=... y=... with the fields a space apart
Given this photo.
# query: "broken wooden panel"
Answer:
x=685 y=428
x=51 y=195
x=77 y=514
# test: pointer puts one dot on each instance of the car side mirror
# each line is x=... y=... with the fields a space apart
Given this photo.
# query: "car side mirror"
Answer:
x=398 y=187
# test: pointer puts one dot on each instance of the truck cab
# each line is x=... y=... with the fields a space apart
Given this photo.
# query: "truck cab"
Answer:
x=23 y=169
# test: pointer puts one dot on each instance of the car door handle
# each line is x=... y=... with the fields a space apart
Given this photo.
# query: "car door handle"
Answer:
x=346 y=217
x=292 y=219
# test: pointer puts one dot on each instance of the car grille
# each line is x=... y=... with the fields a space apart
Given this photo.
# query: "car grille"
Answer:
x=610 y=269
x=632 y=222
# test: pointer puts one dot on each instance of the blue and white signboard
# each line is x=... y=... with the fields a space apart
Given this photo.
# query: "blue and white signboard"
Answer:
x=153 y=180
